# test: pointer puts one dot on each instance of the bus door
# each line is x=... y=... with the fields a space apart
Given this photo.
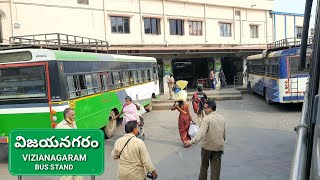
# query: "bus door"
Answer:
x=105 y=86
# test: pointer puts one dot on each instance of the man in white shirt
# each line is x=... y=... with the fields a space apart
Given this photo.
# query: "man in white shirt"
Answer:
x=170 y=85
x=68 y=123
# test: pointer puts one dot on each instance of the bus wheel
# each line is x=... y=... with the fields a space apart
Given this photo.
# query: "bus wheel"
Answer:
x=268 y=101
x=148 y=108
x=110 y=129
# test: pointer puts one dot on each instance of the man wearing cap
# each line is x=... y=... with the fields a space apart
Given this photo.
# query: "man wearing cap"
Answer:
x=170 y=85
x=212 y=133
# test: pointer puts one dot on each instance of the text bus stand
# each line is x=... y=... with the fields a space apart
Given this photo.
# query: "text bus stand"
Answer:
x=56 y=152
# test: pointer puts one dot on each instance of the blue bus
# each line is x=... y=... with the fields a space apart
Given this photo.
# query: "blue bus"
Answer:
x=276 y=75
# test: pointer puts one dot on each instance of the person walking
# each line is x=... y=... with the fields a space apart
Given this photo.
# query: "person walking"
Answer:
x=199 y=98
x=170 y=85
x=68 y=123
x=183 y=120
x=132 y=155
x=212 y=79
x=212 y=133
x=222 y=79
x=129 y=111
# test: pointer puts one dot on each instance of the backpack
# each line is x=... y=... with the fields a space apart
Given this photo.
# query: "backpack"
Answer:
x=196 y=103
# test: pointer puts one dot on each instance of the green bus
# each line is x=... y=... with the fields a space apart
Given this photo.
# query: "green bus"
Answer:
x=36 y=85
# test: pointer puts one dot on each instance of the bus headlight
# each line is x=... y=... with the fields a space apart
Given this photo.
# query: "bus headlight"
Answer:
x=53 y=111
x=54 y=118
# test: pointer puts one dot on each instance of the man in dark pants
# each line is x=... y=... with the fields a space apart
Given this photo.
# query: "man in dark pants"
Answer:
x=212 y=133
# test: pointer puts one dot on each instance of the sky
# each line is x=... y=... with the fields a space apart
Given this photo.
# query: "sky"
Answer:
x=294 y=6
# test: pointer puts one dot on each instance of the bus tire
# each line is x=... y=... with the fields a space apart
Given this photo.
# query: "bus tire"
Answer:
x=148 y=108
x=110 y=129
x=268 y=101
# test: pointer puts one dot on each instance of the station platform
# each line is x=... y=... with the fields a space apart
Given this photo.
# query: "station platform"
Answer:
x=227 y=93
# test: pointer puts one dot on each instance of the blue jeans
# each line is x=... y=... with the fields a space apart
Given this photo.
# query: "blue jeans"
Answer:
x=214 y=83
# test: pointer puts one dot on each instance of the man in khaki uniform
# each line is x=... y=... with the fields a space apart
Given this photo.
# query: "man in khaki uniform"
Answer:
x=212 y=133
x=133 y=155
x=170 y=85
x=68 y=123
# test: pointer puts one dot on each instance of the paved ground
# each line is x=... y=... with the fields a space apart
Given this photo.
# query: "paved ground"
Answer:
x=260 y=143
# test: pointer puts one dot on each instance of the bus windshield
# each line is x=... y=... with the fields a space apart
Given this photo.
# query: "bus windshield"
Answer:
x=294 y=65
x=22 y=82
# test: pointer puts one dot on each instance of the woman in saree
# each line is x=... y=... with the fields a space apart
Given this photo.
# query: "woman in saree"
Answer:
x=184 y=120
x=129 y=111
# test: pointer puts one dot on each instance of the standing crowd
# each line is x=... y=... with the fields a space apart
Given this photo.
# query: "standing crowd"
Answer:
x=214 y=81
x=133 y=158
x=134 y=162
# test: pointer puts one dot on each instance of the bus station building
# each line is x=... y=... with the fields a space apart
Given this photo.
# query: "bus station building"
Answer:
x=187 y=37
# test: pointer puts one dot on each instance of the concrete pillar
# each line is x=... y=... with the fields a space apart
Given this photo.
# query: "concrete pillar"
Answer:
x=217 y=67
x=244 y=70
x=167 y=69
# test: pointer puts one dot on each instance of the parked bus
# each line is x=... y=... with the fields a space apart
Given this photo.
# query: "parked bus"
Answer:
x=276 y=76
x=36 y=85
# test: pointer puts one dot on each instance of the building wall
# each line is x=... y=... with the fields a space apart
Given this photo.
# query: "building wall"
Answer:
x=6 y=22
x=285 y=25
x=62 y=16
x=66 y=16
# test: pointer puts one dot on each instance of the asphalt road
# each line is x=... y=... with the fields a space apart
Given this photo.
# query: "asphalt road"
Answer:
x=260 y=143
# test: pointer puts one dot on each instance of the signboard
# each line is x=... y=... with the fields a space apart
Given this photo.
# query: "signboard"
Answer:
x=56 y=152
x=217 y=66
x=167 y=67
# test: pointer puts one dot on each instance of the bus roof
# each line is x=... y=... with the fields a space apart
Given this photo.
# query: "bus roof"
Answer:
x=270 y=55
x=18 y=55
x=291 y=51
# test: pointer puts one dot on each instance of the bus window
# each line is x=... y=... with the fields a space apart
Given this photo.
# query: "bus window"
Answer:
x=76 y=85
x=150 y=77
x=131 y=81
x=82 y=86
x=104 y=82
x=22 y=82
x=135 y=77
x=125 y=76
x=264 y=70
x=71 y=87
x=89 y=85
x=116 y=80
x=144 y=75
x=95 y=83
x=140 y=76
x=154 y=69
x=156 y=74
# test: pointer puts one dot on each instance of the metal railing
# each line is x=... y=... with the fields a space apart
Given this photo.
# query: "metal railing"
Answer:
x=237 y=80
x=288 y=42
x=298 y=171
x=206 y=83
x=58 y=41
